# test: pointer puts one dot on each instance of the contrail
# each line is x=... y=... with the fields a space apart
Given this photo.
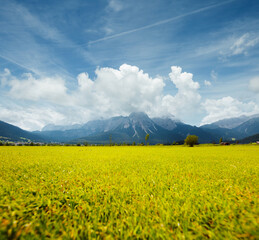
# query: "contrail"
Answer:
x=18 y=64
x=159 y=23
x=34 y=71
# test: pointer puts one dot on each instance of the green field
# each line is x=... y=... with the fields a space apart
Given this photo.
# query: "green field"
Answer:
x=141 y=192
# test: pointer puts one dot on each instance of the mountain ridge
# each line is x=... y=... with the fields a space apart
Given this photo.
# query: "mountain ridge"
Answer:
x=133 y=128
x=231 y=123
x=9 y=132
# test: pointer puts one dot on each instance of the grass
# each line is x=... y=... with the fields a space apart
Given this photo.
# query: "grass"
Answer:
x=153 y=192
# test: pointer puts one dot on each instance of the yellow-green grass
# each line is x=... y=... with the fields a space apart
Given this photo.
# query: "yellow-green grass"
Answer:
x=140 y=192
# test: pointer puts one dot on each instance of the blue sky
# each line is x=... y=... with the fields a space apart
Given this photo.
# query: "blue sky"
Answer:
x=73 y=61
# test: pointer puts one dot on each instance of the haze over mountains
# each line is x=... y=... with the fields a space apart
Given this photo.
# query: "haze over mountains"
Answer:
x=133 y=128
x=231 y=123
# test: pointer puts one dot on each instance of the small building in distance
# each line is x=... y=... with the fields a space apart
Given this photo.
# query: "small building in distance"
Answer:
x=224 y=143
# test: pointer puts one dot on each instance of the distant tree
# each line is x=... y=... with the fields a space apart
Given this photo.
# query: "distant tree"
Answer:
x=146 y=138
x=220 y=140
x=191 y=140
x=134 y=143
x=78 y=144
x=86 y=143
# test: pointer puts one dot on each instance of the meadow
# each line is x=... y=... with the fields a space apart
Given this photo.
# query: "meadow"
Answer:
x=131 y=192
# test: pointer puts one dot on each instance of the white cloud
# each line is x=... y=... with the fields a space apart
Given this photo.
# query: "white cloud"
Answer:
x=242 y=44
x=30 y=88
x=183 y=80
x=254 y=84
x=108 y=30
x=234 y=46
x=120 y=91
x=207 y=83
x=187 y=99
x=84 y=82
x=231 y=44
x=115 y=5
x=214 y=75
x=227 y=107
x=113 y=92
x=30 y=118
x=4 y=76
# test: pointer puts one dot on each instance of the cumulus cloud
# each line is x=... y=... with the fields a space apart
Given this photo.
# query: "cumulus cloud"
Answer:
x=119 y=91
x=4 y=76
x=31 y=88
x=187 y=99
x=254 y=84
x=112 y=92
x=84 y=82
x=227 y=107
x=207 y=83
x=30 y=118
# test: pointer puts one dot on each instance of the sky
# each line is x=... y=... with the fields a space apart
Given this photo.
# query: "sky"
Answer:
x=67 y=62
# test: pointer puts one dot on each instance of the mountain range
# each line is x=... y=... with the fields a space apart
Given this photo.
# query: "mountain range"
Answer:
x=9 y=132
x=134 y=128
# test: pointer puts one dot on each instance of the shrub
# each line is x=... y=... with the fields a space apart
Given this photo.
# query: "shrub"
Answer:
x=191 y=140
